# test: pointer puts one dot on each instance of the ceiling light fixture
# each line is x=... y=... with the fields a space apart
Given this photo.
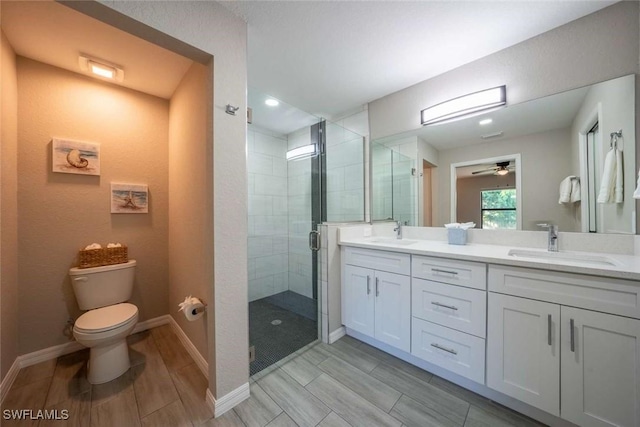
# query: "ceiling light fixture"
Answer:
x=100 y=68
x=502 y=171
x=272 y=102
x=485 y=122
x=465 y=106
x=492 y=135
x=302 y=152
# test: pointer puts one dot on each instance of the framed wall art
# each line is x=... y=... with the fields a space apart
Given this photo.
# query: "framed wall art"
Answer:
x=75 y=157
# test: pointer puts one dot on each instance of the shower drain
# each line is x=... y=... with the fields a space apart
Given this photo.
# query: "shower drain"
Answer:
x=276 y=322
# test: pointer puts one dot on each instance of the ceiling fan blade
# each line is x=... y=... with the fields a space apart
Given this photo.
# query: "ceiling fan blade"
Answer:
x=484 y=171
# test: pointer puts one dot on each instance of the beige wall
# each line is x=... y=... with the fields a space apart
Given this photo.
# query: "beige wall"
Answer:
x=9 y=206
x=60 y=213
x=545 y=163
x=212 y=30
x=468 y=190
x=190 y=245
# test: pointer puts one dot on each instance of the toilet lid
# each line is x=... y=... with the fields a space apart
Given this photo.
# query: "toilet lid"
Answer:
x=106 y=318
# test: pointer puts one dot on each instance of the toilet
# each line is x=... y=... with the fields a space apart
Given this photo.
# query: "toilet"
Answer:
x=110 y=319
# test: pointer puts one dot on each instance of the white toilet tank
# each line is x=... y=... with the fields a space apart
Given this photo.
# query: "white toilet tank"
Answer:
x=102 y=286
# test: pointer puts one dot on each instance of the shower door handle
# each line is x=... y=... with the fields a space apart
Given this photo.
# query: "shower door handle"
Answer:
x=314 y=240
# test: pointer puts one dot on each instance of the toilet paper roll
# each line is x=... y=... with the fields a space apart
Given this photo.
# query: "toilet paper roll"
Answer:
x=193 y=308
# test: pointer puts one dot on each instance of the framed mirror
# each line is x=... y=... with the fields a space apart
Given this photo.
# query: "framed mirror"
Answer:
x=562 y=141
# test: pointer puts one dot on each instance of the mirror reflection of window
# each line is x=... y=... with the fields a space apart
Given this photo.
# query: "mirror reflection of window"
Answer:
x=498 y=209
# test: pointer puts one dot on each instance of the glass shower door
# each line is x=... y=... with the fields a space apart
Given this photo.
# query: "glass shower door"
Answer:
x=283 y=315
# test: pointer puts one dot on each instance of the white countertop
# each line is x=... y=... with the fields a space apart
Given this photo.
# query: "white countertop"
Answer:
x=627 y=266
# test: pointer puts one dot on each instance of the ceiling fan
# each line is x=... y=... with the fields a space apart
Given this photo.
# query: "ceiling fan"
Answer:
x=501 y=168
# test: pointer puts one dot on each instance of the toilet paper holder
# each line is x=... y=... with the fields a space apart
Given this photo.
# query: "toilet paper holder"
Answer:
x=192 y=307
x=199 y=310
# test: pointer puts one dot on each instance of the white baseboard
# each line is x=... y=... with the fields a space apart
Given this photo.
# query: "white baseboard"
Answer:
x=337 y=334
x=8 y=379
x=151 y=323
x=62 y=349
x=191 y=349
x=228 y=401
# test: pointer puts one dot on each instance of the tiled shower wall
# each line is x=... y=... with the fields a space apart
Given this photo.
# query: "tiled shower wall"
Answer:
x=268 y=217
x=345 y=175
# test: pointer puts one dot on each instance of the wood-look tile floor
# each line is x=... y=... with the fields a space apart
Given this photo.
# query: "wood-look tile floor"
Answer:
x=348 y=383
x=164 y=387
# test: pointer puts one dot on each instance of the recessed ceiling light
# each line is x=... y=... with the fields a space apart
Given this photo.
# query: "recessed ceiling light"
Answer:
x=272 y=102
x=485 y=121
x=100 y=68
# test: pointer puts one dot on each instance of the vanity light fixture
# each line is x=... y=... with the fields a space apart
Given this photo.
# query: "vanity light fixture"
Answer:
x=100 y=68
x=485 y=122
x=465 y=106
x=272 y=102
x=302 y=152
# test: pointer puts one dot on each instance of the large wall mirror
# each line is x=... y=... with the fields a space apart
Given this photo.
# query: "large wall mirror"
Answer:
x=566 y=159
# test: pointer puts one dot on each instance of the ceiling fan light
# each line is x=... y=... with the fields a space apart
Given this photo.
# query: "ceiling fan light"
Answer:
x=502 y=172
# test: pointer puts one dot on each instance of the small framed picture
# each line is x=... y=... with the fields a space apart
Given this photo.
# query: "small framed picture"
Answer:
x=129 y=198
x=82 y=158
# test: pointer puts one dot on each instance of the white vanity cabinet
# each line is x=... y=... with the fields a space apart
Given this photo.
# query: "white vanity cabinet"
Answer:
x=523 y=350
x=571 y=361
x=448 y=308
x=377 y=295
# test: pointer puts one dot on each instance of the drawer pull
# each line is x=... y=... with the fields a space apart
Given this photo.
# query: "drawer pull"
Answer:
x=573 y=339
x=549 y=329
x=377 y=286
x=368 y=285
x=444 y=305
x=437 y=270
x=448 y=350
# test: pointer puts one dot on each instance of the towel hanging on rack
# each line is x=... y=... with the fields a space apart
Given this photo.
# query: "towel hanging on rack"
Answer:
x=636 y=194
x=569 y=190
x=612 y=184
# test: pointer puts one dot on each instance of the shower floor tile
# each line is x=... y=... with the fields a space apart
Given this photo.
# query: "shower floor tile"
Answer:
x=275 y=340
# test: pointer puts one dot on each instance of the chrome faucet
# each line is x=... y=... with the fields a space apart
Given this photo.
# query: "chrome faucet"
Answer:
x=398 y=230
x=553 y=236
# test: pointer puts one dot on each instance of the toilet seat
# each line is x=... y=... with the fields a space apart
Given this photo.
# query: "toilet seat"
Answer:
x=106 y=318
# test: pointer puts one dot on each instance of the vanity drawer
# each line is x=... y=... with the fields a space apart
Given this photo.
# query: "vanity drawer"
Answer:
x=456 y=351
x=379 y=260
x=615 y=296
x=462 y=273
x=455 y=307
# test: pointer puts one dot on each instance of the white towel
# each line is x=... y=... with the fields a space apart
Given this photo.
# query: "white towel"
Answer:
x=565 y=190
x=636 y=194
x=611 y=186
x=575 y=189
x=619 y=178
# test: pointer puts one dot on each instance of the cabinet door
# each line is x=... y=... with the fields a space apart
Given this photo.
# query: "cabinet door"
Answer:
x=523 y=350
x=393 y=309
x=358 y=299
x=601 y=370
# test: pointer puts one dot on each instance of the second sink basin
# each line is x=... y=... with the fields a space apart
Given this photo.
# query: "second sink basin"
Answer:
x=580 y=258
x=396 y=242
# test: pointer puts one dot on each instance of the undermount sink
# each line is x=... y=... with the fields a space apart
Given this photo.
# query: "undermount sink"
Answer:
x=580 y=258
x=388 y=241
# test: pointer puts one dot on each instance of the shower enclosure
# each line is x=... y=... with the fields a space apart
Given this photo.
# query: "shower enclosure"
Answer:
x=302 y=171
x=394 y=185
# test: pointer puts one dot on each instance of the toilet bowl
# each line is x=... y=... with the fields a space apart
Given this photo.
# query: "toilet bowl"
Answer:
x=104 y=331
x=109 y=320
